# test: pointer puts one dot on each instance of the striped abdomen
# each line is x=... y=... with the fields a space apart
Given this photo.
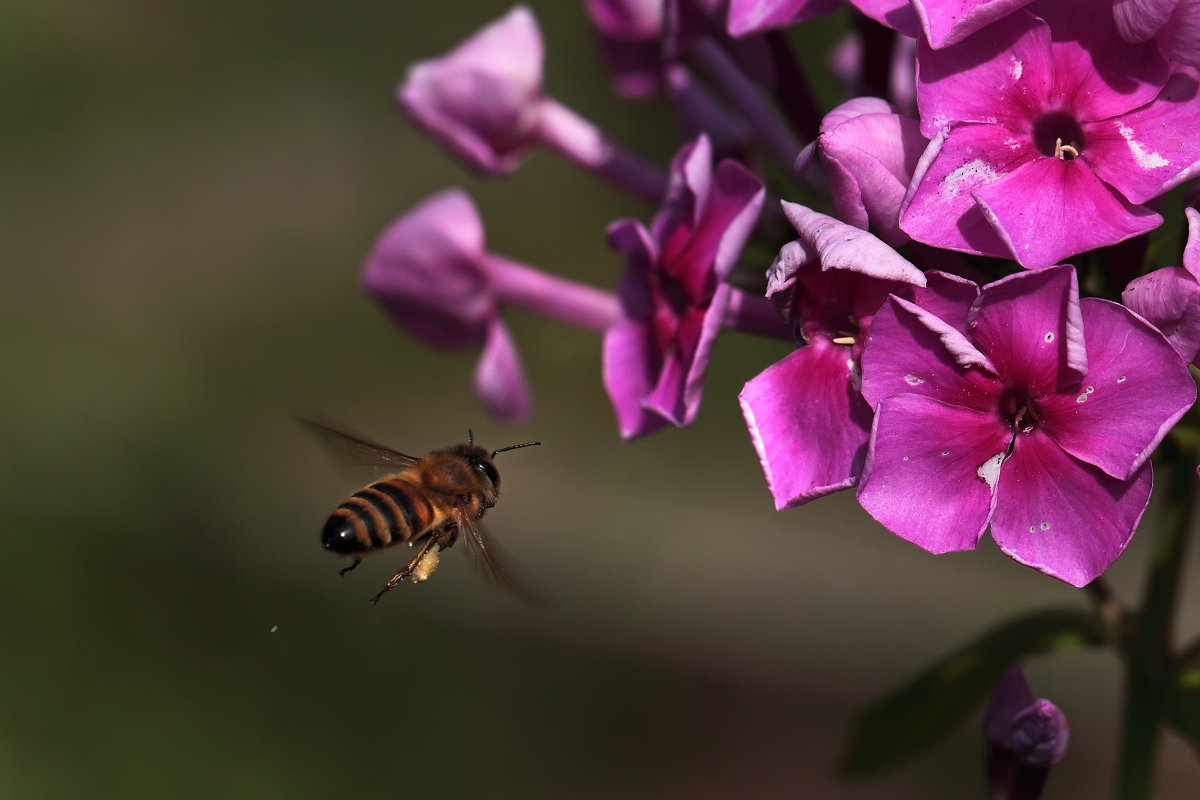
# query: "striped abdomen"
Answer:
x=387 y=512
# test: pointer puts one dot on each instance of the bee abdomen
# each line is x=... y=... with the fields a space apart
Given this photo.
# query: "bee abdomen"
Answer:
x=387 y=512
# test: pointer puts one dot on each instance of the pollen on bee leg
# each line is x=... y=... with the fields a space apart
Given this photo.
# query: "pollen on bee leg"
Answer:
x=426 y=565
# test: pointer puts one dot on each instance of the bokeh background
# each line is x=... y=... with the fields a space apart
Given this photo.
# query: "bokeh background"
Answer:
x=187 y=191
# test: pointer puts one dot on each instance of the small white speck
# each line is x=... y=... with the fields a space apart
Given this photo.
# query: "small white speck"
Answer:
x=1045 y=526
x=274 y=628
x=945 y=452
x=1032 y=528
x=906 y=458
x=913 y=380
x=1049 y=337
x=1082 y=398
x=1121 y=379
x=1017 y=68
x=1089 y=390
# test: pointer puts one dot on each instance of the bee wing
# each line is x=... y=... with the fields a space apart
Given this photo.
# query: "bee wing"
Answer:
x=490 y=560
x=350 y=450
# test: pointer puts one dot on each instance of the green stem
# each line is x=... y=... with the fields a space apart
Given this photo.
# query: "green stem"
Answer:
x=1148 y=654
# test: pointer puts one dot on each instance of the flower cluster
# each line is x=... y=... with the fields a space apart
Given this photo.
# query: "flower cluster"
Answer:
x=961 y=247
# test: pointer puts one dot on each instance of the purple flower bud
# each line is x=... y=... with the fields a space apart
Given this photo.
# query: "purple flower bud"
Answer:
x=1025 y=738
x=432 y=276
x=1170 y=297
x=1040 y=734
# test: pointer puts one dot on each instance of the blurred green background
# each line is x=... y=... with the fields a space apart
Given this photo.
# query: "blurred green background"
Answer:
x=186 y=193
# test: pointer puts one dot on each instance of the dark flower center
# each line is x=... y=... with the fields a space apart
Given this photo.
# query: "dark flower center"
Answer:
x=1057 y=134
x=1019 y=411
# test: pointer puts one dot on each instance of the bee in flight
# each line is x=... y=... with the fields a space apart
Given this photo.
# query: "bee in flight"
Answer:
x=426 y=501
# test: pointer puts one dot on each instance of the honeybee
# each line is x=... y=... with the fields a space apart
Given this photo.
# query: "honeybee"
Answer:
x=427 y=501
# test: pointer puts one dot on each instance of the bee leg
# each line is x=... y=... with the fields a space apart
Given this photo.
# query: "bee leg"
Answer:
x=355 y=563
x=407 y=571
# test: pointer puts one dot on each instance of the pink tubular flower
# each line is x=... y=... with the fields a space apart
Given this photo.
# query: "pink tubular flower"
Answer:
x=431 y=274
x=1170 y=297
x=805 y=413
x=674 y=299
x=1025 y=737
x=1031 y=410
x=483 y=101
x=1048 y=135
x=868 y=154
x=1173 y=24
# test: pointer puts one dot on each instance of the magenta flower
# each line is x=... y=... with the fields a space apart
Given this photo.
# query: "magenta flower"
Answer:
x=895 y=14
x=674 y=300
x=484 y=102
x=1170 y=297
x=432 y=276
x=1173 y=24
x=805 y=413
x=868 y=154
x=1025 y=737
x=1030 y=410
x=1048 y=136
x=755 y=16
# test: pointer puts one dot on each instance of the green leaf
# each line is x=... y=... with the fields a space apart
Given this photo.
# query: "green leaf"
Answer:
x=1183 y=708
x=923 y=710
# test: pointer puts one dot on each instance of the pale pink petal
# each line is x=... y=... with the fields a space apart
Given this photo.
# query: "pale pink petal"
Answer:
x=1062 y=517
x=1136 y=389
x=500 y=380
x=1139 y=20
x=1191 y=251
x=1030 y=326
x=1179 y=39
x=869 y=161
x=1169 y=298
x=808 y=424
x=930 y=471
x=1049 y=210
x=842 y=246
x=940 y=209
x=1149 y=151
x=948 y=22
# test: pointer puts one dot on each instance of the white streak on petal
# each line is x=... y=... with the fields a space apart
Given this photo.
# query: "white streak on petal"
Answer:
x=1146 y=159
x=989 y=471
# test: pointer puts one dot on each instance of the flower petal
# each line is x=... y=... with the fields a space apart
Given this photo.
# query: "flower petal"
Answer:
x=842 y=246
x=930 y=471
x=946 y=23
x=1062 y=517
x=910 y=351
x=755 y=16
x=1139 y=20
x=500 y=380
x=1029 y=325
x=948 y=297
x=1001 y=76
x=1169 y=298
x=1149 y=151
x=1049 y=210
x=631 y=367
x=1137 y=387
x=808 y=424
x=940 y=208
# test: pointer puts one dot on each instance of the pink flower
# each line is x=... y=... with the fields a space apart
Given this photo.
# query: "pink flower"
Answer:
x=805 y=413
x=868 y=154
x=755 y=16
x=630 y=33
x=1170 y=297
x=483 y=101
x=674 y=300
x=1028 y=410
x=432 y=275
x=947 y=22
x=1048 y=136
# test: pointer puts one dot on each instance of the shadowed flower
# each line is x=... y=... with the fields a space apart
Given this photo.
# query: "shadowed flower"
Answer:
x=431 y=274
x=805 y=413
x=484 y=102
x=1173 y=24
x=1170 y=297
x=1047 y=136
x=630 y=33
x=947 y=22
x=1025 y=737
x=755 y=16
x=1030 y=410
x=674 y=298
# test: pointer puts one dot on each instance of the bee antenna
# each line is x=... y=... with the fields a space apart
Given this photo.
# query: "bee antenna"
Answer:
x=470 y=437
x=514 y=447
